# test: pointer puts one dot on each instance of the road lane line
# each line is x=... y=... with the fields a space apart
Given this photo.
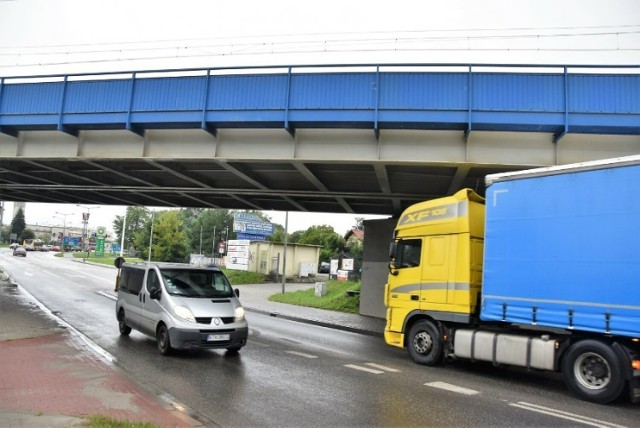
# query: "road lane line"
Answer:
x=301 y=354
x=364 y=369
x=381 y=367
x=565 y=415
x=28 y=273
x=453 y=388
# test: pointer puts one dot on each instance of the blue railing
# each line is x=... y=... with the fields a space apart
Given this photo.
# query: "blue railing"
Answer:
x=536 y=98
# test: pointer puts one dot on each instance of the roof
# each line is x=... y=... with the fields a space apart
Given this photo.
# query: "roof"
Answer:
x=358 y=233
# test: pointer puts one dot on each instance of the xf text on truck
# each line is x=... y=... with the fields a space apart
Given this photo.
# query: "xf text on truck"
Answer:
x=544 y=274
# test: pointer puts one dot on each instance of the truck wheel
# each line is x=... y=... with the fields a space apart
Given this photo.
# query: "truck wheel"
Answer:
x=425 y=343
x=122 y=324
x=593 y=371
x=162 y=340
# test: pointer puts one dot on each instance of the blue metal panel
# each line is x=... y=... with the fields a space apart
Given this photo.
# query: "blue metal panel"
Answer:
x=97 y=96
x=600 y=94
x=423 y=91
x=169 y=94
x=598 y=103
x=518 y=92
x=32 y=98
x=351 y=91
x=259 y=92
x=566 y=245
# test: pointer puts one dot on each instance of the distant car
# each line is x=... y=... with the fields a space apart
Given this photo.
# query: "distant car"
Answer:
x=13 y=246
x=324 y=267
x=54 y=248
x=20 y=251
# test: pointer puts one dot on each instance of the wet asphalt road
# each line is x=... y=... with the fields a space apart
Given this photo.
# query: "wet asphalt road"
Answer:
x=293 y=374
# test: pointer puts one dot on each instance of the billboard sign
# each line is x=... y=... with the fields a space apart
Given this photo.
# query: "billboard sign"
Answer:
x=251 y=224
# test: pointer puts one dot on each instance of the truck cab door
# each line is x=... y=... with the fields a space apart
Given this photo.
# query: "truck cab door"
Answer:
x=405 y=278
x=436 y=271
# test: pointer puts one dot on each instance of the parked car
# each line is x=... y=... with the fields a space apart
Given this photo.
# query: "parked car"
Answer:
x=325 y=267
x=13 y=246
x=20 y=251
x=54 y=248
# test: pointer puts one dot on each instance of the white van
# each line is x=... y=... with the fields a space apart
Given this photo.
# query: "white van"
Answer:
x=182 y=306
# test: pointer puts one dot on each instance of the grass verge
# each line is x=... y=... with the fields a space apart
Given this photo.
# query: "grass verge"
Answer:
x=336 y=298
x=238 y=277
x=100 y=421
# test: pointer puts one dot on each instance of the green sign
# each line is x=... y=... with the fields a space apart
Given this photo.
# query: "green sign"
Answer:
x=100 y=247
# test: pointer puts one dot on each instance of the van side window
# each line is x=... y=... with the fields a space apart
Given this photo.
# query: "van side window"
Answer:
x=131 y=280
x=408 y=253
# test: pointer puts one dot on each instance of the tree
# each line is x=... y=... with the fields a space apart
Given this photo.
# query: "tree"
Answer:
x=18 y=224
x=26 y=234
x=137 y=217
x=169 y=239
x=331 y=242
x=278 y=234
x=200 y=234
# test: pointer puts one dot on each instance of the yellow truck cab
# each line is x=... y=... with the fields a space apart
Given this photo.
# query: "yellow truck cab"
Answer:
x=435 y=271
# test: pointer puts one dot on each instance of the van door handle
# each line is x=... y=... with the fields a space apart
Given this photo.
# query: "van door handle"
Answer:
x=415 y=297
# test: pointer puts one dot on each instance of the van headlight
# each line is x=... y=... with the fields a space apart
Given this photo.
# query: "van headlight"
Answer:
x=239 y=314
x=184 y=313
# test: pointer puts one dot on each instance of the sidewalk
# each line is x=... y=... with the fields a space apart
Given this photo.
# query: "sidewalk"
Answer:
x=49 y=377
x=255 y=297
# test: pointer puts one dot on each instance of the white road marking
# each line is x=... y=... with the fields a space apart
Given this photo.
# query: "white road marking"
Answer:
x=452 y=388
x=28 y=273
x=565 y=415
x=364 y=369
x=73 y=275
x=385 y=368
x=301 y=354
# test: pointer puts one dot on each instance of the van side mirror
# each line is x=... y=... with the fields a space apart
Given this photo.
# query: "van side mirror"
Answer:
x=155 y=293
x=237 y=291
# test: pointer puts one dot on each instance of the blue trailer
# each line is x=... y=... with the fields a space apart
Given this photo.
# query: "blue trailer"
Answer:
x=561 y=248
x=543 y=273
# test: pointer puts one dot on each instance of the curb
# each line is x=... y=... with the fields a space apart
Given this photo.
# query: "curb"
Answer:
x=316 y=322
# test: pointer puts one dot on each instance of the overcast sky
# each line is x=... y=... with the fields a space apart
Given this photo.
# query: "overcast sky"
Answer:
x=76 y=36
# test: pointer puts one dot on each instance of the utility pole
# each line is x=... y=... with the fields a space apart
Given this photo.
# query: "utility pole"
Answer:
x=153 y=213
x=85 y=228
x=284 y=256
x=124 y=227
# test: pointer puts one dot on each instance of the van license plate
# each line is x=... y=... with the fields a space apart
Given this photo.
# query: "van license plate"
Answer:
x=217 y=337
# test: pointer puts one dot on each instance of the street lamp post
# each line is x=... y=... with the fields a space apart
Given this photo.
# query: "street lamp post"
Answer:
x=85 y=222
x=64 y=226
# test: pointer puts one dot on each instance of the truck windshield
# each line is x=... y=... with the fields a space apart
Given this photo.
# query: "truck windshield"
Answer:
x=196 y=283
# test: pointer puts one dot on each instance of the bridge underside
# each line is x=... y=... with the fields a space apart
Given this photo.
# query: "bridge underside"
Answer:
x=316 y=170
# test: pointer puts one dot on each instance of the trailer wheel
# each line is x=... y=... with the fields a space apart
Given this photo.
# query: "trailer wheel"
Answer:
x=425 y=343
x=593 y=371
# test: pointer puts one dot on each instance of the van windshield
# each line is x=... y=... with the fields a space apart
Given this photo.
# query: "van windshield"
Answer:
x=196 y=283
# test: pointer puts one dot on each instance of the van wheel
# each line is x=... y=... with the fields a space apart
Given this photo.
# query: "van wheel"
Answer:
x=162 y=340
x=592 y=370
x=425 y=343
x=122 y=324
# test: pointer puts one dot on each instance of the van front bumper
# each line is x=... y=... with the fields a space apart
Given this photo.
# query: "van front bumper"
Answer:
x=195 y=339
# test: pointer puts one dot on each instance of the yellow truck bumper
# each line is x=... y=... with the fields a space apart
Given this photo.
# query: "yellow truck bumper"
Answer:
x=394 y=338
